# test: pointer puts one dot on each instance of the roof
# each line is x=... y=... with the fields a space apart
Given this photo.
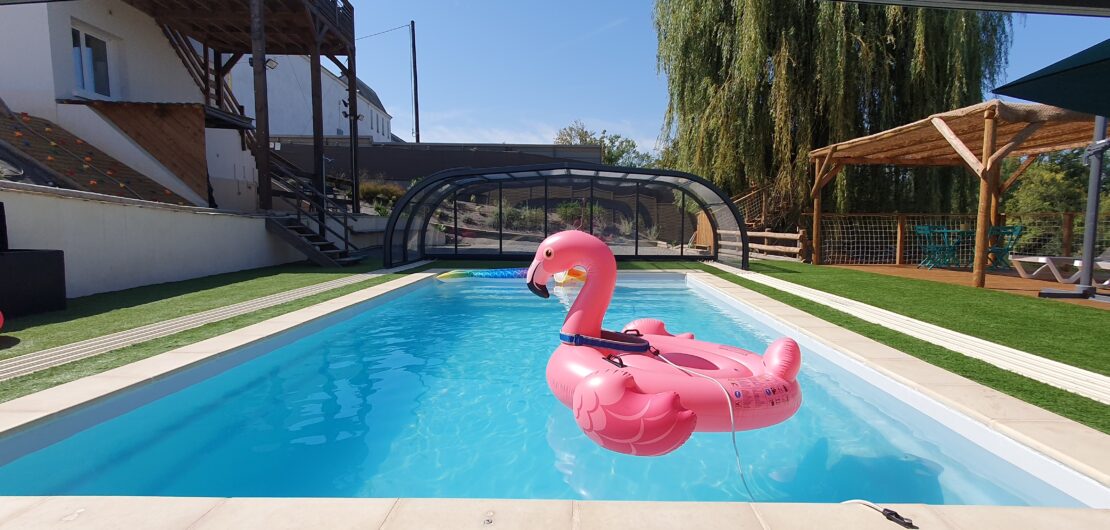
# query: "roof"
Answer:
x=1037 y=129
x=545 y=184
x=365 y=91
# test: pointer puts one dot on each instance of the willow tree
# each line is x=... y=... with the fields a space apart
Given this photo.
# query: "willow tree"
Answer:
x=754 y=85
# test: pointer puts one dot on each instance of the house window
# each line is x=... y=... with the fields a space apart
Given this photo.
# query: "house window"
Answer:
x=90 y=64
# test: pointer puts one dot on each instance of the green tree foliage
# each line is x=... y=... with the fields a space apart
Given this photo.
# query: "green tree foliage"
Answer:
x=617 y=150
x=1056 y=183
x=754 y=85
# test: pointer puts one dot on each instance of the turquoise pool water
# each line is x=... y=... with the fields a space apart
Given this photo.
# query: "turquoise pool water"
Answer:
x=440 y=393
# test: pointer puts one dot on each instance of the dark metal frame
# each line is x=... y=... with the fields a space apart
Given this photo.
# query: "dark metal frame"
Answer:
x=470 y=176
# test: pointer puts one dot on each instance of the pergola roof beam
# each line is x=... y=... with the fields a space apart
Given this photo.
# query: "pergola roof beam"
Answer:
x=958 y=145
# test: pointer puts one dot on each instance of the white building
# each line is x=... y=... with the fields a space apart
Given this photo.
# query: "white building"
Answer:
x=59 y=56
x=126 y=104
x=290 y=94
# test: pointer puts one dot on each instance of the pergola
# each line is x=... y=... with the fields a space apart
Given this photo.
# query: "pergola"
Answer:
x=952 y=138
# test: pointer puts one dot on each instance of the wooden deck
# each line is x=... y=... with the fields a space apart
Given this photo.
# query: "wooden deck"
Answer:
x=1006 y=282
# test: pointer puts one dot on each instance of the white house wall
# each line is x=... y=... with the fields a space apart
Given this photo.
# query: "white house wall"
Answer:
x=119 y=244
x=145 y=66
x=289 y=88
x=27 y=81
x=231 y=171
x=35 y=51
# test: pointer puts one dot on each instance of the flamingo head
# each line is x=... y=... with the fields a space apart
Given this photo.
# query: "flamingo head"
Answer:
x=561 y=252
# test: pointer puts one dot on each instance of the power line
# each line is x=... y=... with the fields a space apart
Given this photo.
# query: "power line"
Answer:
x=381 y=32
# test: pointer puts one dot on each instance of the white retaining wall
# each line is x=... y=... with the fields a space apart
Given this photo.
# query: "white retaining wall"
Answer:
x=112 y=244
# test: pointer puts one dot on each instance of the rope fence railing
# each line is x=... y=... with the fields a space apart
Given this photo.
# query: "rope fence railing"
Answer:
x=866 y=239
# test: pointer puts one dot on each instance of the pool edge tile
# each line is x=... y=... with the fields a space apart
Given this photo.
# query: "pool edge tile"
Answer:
x=1025 y=517
x=113 y=513
x=473 y=513
x=280 y=513
x=779 y=516
x=599 y=515
x=1077 y=446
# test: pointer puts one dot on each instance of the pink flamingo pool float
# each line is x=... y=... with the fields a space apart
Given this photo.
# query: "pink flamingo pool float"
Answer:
x=644 y=391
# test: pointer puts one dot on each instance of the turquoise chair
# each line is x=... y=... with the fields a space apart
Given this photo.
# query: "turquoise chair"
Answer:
x=1003 y=240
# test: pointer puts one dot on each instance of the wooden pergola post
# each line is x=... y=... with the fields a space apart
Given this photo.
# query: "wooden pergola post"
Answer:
x=817 y=215
x=987 y=187
x=261 y=104
x=352 y=109
x=825 y=170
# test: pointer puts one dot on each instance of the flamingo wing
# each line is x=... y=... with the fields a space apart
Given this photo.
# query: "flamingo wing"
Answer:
x=616 y=414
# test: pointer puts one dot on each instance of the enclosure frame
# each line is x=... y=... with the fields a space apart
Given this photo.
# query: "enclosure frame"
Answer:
x=436 y=189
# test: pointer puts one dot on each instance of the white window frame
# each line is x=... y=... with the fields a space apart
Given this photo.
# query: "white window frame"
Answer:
x=81 y=86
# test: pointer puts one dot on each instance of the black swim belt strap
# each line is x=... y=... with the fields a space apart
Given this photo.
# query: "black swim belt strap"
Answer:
x=609 y=340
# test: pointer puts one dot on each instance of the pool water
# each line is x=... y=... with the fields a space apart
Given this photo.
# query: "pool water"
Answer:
x=440 y=392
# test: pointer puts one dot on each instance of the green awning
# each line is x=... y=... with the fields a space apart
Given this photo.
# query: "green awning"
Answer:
x=1079 y=82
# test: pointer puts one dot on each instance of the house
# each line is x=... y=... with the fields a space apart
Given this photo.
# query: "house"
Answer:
x=123 y=112
x=288 y=83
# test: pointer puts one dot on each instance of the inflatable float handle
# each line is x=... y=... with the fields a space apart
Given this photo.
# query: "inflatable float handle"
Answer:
x=783 y=358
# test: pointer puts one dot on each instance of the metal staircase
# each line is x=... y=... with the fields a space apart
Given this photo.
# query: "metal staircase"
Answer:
x=316 y=225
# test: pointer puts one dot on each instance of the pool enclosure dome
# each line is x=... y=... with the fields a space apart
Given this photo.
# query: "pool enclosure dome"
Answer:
x=505 y=212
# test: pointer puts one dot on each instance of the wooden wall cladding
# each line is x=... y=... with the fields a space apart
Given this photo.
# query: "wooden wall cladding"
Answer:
x=172 y=133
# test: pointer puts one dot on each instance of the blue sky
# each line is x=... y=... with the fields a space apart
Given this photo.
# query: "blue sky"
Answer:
x=518 y=71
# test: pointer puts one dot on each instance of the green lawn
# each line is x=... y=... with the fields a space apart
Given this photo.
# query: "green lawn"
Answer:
x=102 y=314
x=1069 y=333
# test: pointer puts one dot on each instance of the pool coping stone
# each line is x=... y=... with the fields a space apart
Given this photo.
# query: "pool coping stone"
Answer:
x=191 y=513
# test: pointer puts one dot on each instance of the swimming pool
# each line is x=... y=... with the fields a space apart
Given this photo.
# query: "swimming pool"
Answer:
x=439 y=391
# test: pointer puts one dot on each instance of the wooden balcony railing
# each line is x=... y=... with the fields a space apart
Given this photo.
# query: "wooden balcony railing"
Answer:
x=338 y=12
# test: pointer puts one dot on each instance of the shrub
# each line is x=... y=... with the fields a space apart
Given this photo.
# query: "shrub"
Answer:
x=524 y=218
x=382 y=195
x=624 y=226
x=569 y=211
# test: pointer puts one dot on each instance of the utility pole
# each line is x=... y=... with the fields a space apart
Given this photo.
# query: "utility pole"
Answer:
x=415 y=84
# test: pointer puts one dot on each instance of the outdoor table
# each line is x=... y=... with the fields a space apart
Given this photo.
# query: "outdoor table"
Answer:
x=942 y=245
x=953 y=238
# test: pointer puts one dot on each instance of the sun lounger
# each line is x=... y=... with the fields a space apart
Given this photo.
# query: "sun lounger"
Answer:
x=1101 y=264
x=1048 y=267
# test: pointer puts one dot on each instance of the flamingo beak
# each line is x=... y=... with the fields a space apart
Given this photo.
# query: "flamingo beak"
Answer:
x=538 y=285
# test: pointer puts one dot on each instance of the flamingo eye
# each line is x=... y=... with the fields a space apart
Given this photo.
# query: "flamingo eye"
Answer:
x=548 y=253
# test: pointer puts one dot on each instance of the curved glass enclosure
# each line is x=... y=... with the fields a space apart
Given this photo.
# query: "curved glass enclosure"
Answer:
x=506 y=212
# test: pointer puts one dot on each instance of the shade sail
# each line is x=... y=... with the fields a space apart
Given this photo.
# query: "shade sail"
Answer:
x=1079 y=82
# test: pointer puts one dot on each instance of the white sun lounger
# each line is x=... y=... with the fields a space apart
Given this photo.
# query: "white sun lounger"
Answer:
x=1049 y=266
x=1100 y=265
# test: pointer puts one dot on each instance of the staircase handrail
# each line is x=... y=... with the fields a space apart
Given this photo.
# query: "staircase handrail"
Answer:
x=314 y=199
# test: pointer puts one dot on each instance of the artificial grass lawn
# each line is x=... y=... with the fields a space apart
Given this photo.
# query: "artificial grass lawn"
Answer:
x=57 y=375
x=102 y=314
x=1068 y=333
